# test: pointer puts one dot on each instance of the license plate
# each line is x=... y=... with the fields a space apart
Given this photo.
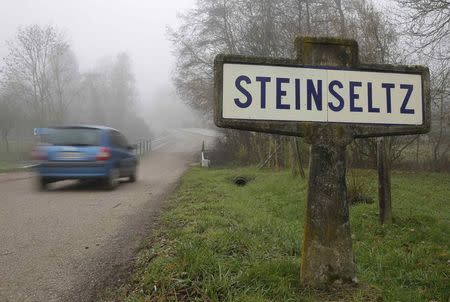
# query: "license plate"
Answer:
x=70 y=155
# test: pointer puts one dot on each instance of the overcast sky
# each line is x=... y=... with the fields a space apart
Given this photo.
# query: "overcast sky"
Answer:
x=99 y=28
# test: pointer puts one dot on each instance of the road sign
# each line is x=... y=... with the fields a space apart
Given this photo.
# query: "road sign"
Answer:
x=284 y=93
x=281 y=96
x=326 y=96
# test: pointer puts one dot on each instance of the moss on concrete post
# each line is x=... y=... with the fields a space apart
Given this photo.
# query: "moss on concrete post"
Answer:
x=327 y=253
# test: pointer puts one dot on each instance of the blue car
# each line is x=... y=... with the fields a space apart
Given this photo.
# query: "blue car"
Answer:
x=84 y=153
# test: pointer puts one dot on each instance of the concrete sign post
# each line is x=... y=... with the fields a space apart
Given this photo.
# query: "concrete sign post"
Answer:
x=328 y=98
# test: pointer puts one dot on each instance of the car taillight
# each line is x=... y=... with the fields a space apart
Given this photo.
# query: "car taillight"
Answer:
x=38 y=154
x=103 y=154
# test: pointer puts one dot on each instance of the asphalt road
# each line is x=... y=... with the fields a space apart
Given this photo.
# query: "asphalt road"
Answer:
x=66 y=244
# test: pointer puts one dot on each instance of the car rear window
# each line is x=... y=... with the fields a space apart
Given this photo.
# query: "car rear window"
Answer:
x=73 y=137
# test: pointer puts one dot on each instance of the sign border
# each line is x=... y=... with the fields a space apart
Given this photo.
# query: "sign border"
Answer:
x=300 y=128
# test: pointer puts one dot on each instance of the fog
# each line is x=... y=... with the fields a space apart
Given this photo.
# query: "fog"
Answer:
x=101 y=28
x=166 y=112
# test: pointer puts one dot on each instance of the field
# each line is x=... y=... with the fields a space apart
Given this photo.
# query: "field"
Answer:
x=220 y=242
x=18 y=154
x=7 y=166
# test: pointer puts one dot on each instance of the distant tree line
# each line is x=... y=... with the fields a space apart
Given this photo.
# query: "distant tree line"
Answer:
x=418 y=33
x=41 y=85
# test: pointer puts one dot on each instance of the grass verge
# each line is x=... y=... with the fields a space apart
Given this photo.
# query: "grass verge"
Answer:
x=8 y=166
x=220 y=242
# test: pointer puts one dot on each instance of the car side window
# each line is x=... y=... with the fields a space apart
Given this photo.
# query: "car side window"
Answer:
x=124 y=141
x=116 y=140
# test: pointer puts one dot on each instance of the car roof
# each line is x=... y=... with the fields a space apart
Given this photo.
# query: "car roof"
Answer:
x=85 y=126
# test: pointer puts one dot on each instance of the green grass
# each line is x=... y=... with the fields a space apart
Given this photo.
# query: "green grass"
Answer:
x=8 y=166
x=220 y=242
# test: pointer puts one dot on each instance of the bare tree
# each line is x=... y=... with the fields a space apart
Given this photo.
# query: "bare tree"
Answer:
x=376 y=34
x=37 y=69
x=268 y=28
x=65 y=80
x=428 y=21
x=440 y=135
x=108 y=96
x=343 y=28
x=123 y=91
x=426 y=25
x=10 y=112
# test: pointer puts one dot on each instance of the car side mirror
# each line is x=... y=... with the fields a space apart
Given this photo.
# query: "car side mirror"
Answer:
x=132 y=147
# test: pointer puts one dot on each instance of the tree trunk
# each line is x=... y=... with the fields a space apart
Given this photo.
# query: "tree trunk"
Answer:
x=436 y=157
x=308 y=19
x=341 y=18
x=5 y=139
x=297 y=164
x=276 y=153
x=300 y=18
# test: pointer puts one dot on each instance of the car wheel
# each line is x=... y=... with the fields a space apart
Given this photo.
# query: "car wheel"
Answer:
x=42 y=184
x=132 y=177
x=113 y=179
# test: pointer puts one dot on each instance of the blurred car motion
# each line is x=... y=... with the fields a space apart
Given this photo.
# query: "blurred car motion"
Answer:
x=84 y=153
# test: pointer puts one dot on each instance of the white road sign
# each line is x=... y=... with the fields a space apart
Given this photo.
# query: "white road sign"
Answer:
x=280 y=93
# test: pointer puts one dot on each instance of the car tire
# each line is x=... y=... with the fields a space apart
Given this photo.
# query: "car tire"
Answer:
x=133 y=176
x=113 y=179
x=42 y=184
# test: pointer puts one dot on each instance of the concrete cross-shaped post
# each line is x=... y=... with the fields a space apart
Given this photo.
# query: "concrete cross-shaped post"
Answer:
x=329 y=98
x=327 y=245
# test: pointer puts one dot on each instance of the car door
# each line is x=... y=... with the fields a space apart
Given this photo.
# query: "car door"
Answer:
x=118 y=152
x=129 y=159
